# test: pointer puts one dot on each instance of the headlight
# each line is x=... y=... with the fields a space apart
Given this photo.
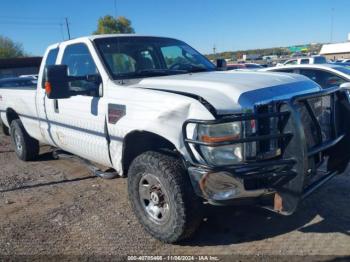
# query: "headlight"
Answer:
x=221 y=155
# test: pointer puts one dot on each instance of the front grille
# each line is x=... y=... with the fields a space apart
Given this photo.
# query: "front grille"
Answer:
x=267 y=126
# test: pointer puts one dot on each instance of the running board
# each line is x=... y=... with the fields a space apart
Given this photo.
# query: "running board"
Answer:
x=60 y=154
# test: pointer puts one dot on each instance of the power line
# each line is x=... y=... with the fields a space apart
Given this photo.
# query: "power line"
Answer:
x=27 y=23
x=35 y=26
x=32 y=18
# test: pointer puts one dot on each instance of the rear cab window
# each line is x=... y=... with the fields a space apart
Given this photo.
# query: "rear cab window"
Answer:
x=51 y=57
x=50 y=60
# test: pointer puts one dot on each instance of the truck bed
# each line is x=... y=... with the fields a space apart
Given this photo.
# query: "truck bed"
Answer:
x=22 y=101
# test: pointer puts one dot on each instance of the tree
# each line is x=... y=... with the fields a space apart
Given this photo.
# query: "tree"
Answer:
x=109 y=25
x=9 y=48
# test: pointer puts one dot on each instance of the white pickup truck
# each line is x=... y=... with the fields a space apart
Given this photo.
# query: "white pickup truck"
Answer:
x=155 y=110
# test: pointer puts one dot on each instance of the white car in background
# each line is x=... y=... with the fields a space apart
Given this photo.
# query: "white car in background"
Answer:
x=326 y=75
x=305 y=61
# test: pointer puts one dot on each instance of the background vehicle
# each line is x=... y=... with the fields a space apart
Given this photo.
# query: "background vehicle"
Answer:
x=305 y=60
x=343 y=64
x=235 y=66
x=18 y=82
x=326 y=75
x=342 y=61
x=244 y=66
x=30 y=76
x=155 y=110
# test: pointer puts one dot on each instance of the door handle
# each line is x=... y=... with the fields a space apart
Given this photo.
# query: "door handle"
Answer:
x=55 y=106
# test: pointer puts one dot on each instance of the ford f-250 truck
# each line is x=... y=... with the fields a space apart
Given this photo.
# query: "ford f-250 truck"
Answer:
x=155 y=110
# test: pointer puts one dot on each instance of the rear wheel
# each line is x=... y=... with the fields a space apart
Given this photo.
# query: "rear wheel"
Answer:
x=162 y=197
x=26 y=147
x=5 y=129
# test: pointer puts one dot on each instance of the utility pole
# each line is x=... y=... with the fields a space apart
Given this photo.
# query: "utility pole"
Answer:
x=67 y=25
x=214 y=50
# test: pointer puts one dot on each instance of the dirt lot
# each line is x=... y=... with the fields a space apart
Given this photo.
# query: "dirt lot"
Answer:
x=57 y=207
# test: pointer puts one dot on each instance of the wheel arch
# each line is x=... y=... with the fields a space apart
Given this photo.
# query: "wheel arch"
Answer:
x=138 y=142
x=11 y=115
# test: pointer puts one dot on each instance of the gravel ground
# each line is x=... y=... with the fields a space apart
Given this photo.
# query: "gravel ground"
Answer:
x=55 y=207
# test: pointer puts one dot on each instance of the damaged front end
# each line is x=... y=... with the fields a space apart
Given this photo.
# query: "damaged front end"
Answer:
x=284 y=151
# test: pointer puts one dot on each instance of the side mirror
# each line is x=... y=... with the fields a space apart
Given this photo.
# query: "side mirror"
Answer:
x=57 y=82
x=345 y=85
x=221 y=64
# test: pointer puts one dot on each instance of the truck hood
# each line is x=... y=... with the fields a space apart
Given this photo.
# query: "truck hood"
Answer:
x=231 y=92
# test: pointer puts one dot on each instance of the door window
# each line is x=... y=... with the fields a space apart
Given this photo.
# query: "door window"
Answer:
x=81 y=64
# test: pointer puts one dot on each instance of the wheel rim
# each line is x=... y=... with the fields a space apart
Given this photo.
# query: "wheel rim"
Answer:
x=154 y=199
x=17 y=138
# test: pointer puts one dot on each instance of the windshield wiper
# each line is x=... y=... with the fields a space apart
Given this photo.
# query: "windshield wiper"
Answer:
x=197 y=69
x=149 y=73
x=158 y=72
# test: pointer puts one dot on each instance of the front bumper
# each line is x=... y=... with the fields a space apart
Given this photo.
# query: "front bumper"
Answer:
x=292 y=175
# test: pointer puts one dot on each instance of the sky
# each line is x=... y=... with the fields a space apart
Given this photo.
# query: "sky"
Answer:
x=228 y=24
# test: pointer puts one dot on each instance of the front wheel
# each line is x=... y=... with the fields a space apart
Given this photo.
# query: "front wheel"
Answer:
x=162 y=197
x=26 y=147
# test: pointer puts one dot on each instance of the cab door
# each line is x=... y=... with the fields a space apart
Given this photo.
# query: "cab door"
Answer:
x=78 y=124
x=41 y=100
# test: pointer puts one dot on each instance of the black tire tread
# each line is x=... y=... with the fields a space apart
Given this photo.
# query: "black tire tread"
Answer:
x=5 y=129
x=188 y=204
x=30 y=145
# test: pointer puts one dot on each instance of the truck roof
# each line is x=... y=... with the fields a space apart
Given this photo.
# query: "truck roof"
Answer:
x=93 y=37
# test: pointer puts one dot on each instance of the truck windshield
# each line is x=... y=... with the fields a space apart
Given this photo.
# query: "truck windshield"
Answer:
x=137 y=57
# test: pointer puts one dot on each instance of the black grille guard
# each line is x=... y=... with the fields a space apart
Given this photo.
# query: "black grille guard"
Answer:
x=285 y=174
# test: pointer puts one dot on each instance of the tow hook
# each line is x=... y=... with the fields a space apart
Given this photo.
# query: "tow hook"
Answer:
x=278 y=203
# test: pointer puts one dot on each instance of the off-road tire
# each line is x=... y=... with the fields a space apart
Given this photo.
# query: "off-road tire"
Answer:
x=29 y=146
x=185 y=207
x=5 y=129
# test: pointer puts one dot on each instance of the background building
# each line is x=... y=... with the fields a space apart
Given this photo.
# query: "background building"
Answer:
x=336 y=51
